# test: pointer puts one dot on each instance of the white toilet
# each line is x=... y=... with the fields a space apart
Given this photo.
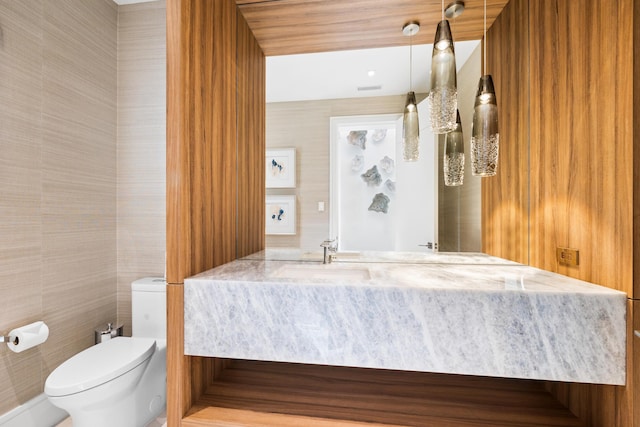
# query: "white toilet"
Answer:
x=120 y=382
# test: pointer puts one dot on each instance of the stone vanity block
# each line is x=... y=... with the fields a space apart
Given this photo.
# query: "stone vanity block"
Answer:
x=481 y=318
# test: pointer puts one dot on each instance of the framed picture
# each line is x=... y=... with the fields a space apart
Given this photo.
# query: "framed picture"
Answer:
x=280 y=215
x=281 y=168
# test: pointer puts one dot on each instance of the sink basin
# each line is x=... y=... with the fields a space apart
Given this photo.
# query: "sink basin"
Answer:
x=322 y=271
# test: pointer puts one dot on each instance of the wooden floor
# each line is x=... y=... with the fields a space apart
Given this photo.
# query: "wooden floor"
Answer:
x=269 y=394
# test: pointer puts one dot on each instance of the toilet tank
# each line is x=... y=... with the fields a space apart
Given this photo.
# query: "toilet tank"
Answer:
x=149 y=308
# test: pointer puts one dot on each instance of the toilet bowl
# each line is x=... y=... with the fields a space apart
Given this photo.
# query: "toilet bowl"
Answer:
x=120 y=382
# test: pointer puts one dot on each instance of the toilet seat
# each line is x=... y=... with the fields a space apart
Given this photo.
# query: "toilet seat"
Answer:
x=98 y=365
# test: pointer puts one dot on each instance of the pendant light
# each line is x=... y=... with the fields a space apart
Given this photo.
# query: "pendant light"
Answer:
x=453 y=160
x=443 y=96
x=485 y=137
x=410 y=126
x=454 y=155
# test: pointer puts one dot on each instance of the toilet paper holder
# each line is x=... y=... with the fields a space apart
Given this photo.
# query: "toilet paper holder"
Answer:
x=26 y=337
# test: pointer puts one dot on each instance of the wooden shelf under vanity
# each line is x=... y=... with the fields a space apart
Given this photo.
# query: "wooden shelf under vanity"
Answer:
x=268 y=394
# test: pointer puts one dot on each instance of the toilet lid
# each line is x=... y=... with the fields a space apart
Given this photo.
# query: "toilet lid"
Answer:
x=98 y=365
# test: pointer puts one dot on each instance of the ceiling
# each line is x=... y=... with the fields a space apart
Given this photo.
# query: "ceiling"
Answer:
x=284 y=27
x=332 y=75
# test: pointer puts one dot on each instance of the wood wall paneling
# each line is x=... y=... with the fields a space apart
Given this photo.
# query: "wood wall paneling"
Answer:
x=201 y=136
x=178 y=224
x=582 y=189
x=201 y=167
x=636 y=151
x=178 y=367
x=207 y=95
x=252 y=393
x=633 y=360
x=582 y=138
x=177 y=186
x=179 y=375
x=505 y=197
x=251 y=141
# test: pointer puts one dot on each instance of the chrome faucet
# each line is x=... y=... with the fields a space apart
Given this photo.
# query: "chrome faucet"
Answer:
x=329 y=246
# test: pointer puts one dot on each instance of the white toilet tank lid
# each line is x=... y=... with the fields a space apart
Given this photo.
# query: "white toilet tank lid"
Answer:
x=98 y=365
x=150 y=284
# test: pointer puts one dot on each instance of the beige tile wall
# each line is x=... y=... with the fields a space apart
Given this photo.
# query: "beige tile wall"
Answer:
x=141 y=147
x=470 y=194
x=20 y=192
x=459 y=211
x=57 y=181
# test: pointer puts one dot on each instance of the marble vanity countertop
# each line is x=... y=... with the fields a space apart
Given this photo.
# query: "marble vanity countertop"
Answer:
x=427 y=257
x=490 y=319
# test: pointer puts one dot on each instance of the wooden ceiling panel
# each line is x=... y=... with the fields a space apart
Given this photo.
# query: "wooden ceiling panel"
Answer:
x=284 y=27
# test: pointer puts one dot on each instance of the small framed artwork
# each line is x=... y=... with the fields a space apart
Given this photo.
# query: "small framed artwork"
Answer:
x=280 y=215
x=281 y=168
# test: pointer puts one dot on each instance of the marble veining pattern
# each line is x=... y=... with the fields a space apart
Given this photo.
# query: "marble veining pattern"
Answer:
x=495 y=320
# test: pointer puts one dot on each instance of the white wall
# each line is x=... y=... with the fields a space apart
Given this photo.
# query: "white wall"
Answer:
x=410 y=218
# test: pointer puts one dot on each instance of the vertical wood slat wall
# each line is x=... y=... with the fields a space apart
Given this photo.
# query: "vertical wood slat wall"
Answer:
x=582 y=150
x=582 y=138
x=634 y=317
x=215 y=166
x=251 y=141
x=583 y=192
x=634 y=359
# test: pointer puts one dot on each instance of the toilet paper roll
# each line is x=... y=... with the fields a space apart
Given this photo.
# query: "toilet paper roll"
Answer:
x=28 y=336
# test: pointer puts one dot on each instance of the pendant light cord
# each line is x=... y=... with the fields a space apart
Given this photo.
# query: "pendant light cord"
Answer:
x=410 y=63
x=485 y=37
x=442 y=10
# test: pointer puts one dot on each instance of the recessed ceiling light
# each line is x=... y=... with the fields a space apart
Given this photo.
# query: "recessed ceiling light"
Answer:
x=371 y=73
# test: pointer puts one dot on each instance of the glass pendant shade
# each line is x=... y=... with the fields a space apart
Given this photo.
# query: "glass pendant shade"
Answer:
x=443 y=96
x=410 y=129
x=454 y=155
x=485 y=138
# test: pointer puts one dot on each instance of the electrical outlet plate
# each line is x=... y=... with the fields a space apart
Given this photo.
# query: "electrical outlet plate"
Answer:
x=567 y=256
